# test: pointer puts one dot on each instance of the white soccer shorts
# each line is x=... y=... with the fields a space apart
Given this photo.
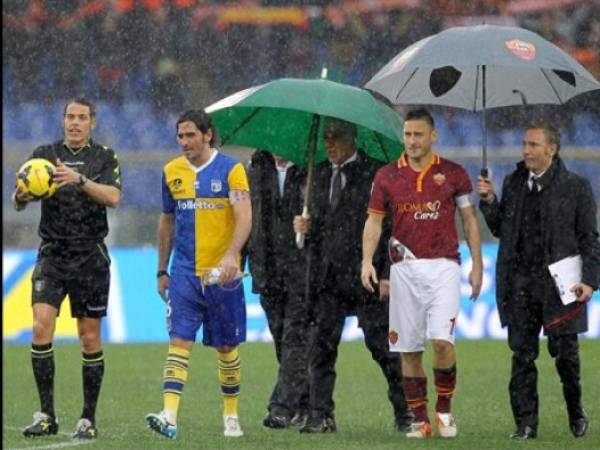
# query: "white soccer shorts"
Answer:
x=424 y=302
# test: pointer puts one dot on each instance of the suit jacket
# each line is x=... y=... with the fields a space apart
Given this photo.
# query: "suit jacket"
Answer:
x=568 y=227
x=271 y=248
x=336 y=235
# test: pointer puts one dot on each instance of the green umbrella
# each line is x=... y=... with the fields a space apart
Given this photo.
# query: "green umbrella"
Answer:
x=284 y=117
x=279 y=116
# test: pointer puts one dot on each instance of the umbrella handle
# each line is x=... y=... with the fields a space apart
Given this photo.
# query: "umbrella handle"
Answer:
x=485 y=172
x=300 y=236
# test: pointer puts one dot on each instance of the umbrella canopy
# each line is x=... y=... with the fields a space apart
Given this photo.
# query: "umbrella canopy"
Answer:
x=479 y=67
x=280 y=116
x=483 y=66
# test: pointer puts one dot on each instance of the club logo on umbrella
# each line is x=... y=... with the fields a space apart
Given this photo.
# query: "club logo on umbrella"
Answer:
x=522 y=49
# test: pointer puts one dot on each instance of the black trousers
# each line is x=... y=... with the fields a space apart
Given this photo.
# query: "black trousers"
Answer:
x=526 y=312
x=330 y=308
x=287 y=316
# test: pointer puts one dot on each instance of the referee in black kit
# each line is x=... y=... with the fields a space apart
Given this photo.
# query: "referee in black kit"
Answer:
x=72 y=260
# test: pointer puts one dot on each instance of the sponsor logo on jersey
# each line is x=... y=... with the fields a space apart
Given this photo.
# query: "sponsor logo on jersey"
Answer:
x=199 y=204
x=421 y=211
x=521 y=49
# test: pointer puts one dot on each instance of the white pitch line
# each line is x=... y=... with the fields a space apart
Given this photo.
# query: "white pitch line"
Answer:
x=64 y=444
x=49 y=446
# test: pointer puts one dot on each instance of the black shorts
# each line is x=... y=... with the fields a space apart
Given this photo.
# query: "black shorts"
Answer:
x=82 y=272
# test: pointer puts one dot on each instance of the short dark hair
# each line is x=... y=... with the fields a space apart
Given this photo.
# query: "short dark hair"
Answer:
x=420 y=114
x=202 y=121
x=339 y=128
x=550 y=130
x=81 y=101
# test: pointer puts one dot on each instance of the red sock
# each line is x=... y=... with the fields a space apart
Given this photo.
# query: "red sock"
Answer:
x=415 y=390
x=445 y=382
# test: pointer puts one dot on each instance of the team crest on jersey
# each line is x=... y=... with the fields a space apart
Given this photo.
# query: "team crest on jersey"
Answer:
x=439 y=178
x=522 y=49
x=393 y=337
x=216 y=185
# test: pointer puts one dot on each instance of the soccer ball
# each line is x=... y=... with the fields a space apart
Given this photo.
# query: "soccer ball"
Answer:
x=36 y=177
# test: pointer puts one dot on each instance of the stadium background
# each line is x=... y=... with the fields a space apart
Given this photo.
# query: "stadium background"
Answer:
x=145 y=61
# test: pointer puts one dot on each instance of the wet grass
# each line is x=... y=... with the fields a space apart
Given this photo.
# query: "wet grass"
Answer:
x=132 y=388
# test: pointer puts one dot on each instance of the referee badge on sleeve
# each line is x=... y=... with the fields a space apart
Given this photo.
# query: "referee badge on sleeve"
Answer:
x=38 y=285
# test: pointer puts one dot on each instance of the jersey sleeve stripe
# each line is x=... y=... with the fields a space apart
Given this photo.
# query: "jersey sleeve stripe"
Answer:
x=375 y=212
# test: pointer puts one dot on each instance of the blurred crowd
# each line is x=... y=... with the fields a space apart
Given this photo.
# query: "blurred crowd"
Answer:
x=181 y=53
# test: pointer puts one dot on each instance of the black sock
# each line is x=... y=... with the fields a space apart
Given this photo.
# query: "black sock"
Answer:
x=92 y=371
x=42 y=361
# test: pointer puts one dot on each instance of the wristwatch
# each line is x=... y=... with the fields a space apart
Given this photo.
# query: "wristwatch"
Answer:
x=161 y=273
x=82 y=180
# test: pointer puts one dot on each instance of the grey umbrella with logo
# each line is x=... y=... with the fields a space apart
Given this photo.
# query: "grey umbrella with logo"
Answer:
x=479 y=67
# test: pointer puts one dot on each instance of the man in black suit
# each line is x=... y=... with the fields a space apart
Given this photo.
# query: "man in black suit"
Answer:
x=278 y=270
x=342 y=186
x=546 y=213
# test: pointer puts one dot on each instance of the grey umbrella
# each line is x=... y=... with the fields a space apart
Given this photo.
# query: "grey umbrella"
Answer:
x=479 y=67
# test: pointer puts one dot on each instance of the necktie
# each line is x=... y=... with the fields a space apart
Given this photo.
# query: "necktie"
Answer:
x=535 y=184
x=336 y=188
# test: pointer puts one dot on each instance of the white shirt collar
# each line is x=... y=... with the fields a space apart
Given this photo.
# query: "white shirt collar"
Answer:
x=284 y=168
x=349 y=160
x=536 y=176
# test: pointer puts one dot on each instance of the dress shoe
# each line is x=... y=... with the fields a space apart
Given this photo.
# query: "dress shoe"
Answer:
x=523 y=433
x=276 y=422
x=403 y=420
x=579 y=425
x=299 y=419
x=319 y=424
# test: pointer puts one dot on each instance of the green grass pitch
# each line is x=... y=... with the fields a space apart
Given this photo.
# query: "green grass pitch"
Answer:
x=132 y=388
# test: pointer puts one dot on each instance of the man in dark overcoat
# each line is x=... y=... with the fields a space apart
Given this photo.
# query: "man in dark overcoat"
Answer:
x=546 y=213
x=342 y=187
x=278 y=270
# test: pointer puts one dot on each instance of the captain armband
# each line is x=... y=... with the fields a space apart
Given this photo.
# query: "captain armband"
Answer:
x=238 y=195
x=464 y=201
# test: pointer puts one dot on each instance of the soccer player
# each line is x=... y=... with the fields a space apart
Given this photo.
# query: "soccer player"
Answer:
x=422 y=191
x=206 y=219
x=72 y=260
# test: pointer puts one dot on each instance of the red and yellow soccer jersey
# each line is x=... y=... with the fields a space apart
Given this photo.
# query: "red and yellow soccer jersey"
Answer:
x=198 y=197
x=423 y=204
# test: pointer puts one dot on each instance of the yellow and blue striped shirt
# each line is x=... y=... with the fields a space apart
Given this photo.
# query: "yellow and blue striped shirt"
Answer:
x=199 y=199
